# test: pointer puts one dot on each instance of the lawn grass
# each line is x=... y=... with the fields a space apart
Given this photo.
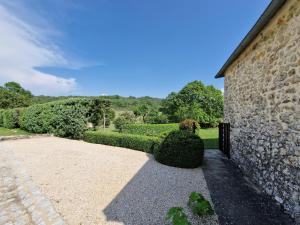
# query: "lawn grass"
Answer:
x=210 y=137
x=12 y=132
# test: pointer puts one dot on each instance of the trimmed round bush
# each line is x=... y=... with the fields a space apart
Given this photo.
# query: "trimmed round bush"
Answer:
x=181 y=149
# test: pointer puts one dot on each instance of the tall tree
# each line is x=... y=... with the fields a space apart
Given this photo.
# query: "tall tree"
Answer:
x=12 y=95
x=194 y=101
x=142 y=110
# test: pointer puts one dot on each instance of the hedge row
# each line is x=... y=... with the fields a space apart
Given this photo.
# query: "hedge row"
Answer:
x=1 y=117
x=137 y=142
x=65 y=118
x=9 y=118
x=156 y=130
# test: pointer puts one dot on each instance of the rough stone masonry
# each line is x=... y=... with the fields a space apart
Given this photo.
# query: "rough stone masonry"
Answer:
x=262 y=104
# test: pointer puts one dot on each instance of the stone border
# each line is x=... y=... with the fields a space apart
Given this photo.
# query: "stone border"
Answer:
x=21 y=201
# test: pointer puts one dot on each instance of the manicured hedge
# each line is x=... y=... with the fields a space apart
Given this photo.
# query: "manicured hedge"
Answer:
x=65 y=118
x=1 y=117
x=181 y=149
x=137 y=142
x=10 y=118
x=156 y=130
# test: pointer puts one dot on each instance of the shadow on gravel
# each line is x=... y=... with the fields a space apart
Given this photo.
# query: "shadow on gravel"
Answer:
x=236 y=201
x=151 y=192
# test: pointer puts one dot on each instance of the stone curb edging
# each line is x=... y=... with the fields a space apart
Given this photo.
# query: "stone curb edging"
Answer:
x=21 y=200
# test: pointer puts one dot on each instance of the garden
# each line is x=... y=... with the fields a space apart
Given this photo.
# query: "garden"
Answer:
x=128 y=122
x=175 y=130
x=183 y=122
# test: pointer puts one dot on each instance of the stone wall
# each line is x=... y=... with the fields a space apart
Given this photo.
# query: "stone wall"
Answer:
x=262 y=104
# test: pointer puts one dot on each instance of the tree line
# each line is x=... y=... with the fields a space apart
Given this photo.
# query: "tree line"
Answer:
x=194 y=101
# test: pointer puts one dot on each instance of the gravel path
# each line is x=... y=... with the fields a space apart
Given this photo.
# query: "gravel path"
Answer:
x=21 y=202
x=98 y=184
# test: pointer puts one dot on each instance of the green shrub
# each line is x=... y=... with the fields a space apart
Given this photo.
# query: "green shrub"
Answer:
x=189 y=125
x=156 y=130
x=176 y=216
x=1 y=117
x=199 y=205
x=10 y=118
x=124 y=119
x=181 y=149
x=137 y=142
x=156 y=117
x=65 y=118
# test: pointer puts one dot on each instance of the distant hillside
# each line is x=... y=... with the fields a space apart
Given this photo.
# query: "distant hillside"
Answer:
x=119 y=103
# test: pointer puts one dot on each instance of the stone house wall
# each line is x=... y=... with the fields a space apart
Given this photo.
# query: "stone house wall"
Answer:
x=262 y=104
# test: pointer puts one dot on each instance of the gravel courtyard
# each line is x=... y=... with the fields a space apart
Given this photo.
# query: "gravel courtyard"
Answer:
x=97 y=184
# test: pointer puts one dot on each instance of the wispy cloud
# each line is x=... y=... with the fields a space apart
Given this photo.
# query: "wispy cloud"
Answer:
x=23 y=48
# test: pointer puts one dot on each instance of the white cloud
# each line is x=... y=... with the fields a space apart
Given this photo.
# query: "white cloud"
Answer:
x=23 y=48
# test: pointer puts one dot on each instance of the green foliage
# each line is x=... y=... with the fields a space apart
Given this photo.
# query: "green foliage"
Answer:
x=137 y=142
x=213 y=123
x=10 y=118
x=16 y=88
x=195 y=101
x=176 y=216
x=106 y=111
x=110 y=115
x=118 y=103
x=209 y=136
x=156 y=117
x=189 y=125
x=131 y=103
x=1 y=117
x=181 y=149
x=142 y=110
x=199 y=205
x=120 y=123
x=68 y=121
x=157 y=130
x=123 y=120
x=12 y=95
x=65 y=118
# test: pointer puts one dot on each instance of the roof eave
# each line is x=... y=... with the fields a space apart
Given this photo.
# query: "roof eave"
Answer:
x=263 y=20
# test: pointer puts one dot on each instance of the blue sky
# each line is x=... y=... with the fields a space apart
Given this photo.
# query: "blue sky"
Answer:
x=129 y=48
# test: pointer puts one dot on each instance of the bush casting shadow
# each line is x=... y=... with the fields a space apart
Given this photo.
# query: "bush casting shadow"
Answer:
x=182 y=149
x=151 y=192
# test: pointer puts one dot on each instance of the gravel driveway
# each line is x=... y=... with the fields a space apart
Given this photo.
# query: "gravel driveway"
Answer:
x=98 y=184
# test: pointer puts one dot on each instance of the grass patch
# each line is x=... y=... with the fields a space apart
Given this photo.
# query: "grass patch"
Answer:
x=12 y=132
x=210 y=137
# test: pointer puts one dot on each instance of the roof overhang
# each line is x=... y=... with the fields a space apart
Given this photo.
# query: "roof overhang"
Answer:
x=263 y=20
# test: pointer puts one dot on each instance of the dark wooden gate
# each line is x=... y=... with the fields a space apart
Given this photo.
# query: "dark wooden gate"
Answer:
x=224 y=138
